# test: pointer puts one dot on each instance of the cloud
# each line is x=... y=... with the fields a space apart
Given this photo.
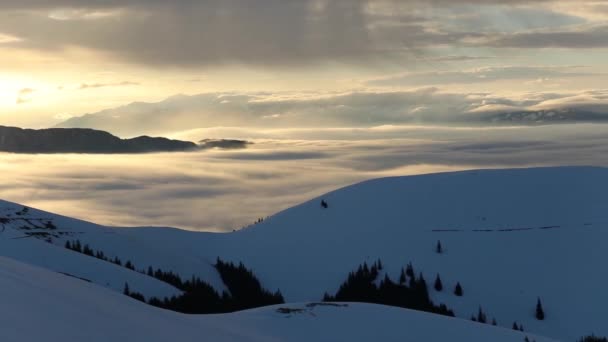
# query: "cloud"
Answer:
x=105 y=85
x=62 y=116
x=24 y=95
x=200 y=190
x=424 y=106
x=478 y=75
x=580 y=37
x=5 y=39
x=457 y=58
x=277 y=33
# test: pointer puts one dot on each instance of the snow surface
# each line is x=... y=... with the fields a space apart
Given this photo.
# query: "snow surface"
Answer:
x=38 y=305
x=510 y=236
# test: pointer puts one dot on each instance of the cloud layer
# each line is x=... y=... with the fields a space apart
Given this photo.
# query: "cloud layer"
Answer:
x=287 y=32
x=283 y=168
x=350 y=109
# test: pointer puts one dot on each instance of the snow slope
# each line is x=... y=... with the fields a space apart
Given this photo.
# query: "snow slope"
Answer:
x=510 y=236
x=38 y=305
x=15 y=243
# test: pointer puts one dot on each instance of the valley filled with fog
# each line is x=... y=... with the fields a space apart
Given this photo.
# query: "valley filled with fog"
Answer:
x=222 y=190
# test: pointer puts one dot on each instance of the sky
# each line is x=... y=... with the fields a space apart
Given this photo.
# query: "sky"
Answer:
x=331 y=92
x=64 y=58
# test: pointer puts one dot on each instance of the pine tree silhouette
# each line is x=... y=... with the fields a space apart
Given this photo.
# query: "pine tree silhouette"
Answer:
x=439 y=248
x=458 y=290
x=481 y=316
x=438 y=284
x=409 y=270
x=402 y=278
x=540 y=313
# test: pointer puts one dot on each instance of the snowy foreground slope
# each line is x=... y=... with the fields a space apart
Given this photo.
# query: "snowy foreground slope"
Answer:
x=38 y=305
x=509 y=237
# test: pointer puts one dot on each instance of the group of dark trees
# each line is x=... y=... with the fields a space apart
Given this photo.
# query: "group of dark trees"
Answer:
x=198 y=297
x=482 y=317
x=593 y=338
x=361 y=286
x=245 y=290
x=85 y=249
x=244 y=286
x=519 y=327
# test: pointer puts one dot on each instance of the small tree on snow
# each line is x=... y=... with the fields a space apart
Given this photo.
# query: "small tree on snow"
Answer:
x=439 y=248
x=481 y=316
x=458 y=290
x=438 y=284
x=540 y=313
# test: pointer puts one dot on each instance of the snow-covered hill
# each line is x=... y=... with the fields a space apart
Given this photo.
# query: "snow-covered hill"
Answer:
x=38 y=305
x=509 y=237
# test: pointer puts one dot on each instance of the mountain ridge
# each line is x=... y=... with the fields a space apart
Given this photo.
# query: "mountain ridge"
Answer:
x=83 y=140
x=509 y=237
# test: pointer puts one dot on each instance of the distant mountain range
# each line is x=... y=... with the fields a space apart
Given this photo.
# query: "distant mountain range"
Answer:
x=80 y=140
x=565 y=115
x=185 y=112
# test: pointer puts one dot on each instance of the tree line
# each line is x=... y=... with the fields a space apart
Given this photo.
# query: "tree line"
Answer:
x=198 y=297
x=409 y=292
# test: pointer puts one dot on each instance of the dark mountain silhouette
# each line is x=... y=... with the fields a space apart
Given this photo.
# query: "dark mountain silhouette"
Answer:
x=83 y=140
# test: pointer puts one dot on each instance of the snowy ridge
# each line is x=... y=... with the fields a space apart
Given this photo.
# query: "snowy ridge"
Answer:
x=509 y=237
x=39 y=305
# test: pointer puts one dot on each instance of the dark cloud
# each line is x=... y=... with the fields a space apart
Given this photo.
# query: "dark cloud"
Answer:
x=192 y=33
x=283 y=155
x=584 y=37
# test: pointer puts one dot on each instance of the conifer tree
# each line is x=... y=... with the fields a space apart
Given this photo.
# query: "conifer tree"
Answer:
x=129 y=265
x=515 y=327
x=481 y=316
x=540 y=313
x=439 y=248
x=68 y=245
x=438 y=284
x=402 y=278
x=126 y=290
x=409 y=270
x=458 y=290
